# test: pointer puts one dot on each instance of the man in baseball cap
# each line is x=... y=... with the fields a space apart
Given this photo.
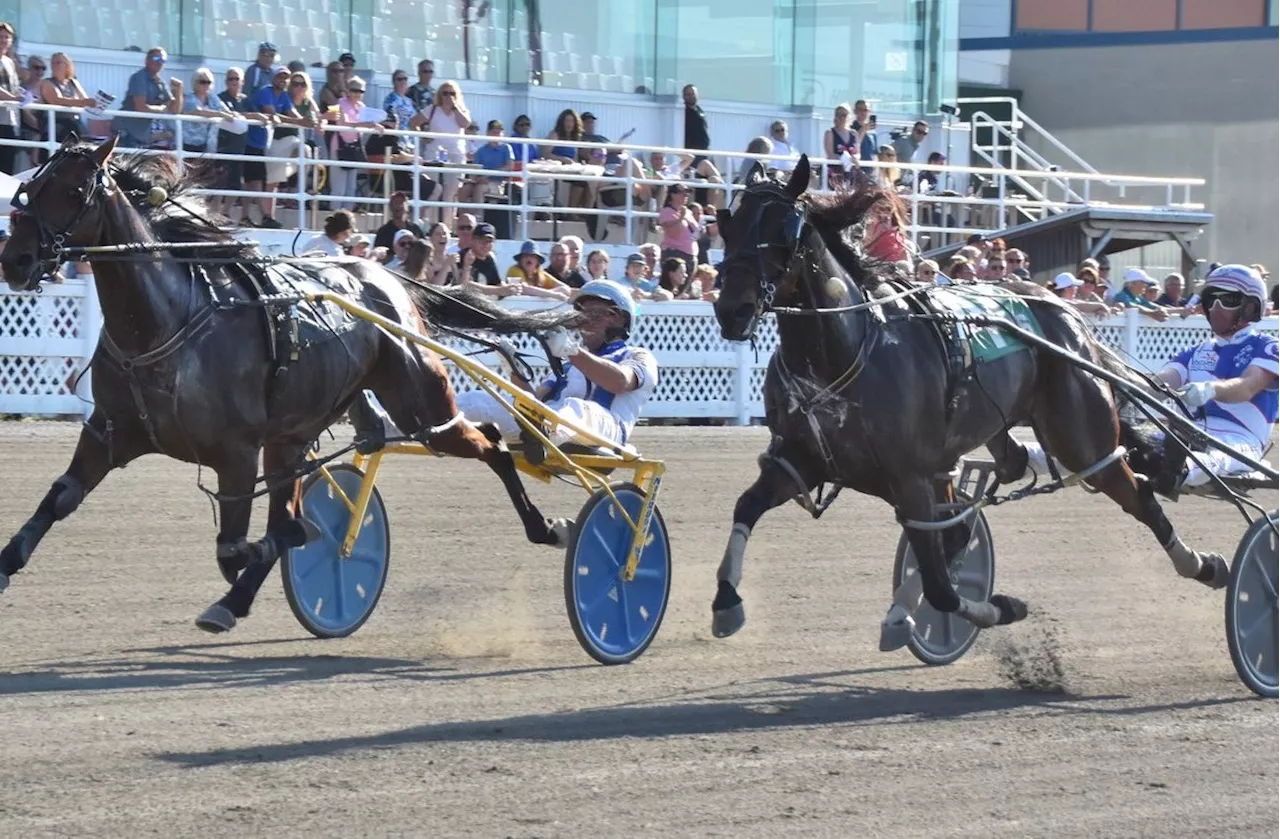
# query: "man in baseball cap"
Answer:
x=258 y=74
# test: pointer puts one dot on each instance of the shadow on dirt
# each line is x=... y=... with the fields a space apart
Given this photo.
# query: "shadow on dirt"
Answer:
x=795 y=701
x=216 y=666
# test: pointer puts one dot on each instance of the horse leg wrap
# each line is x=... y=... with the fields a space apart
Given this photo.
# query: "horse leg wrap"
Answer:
x=982 y=615
x=730 y=570
x=1186 y=561
x=67 y=494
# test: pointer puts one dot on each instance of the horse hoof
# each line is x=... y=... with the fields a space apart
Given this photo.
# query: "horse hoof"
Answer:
x=895 y=629
x=217 y=618
x=558 y=532
x=725 y=622
x=1214 y=571
x=1011 y=609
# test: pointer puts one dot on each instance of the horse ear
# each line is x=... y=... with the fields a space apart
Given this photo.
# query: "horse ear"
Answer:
x=799 y=181
x=103 y=152
x=70 y=140
x=755 y=174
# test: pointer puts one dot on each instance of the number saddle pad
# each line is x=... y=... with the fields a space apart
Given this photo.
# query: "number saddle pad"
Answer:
x=985 y=343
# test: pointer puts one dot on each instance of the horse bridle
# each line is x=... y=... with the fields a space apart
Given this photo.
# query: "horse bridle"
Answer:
x=50 y=244
x=793 y=235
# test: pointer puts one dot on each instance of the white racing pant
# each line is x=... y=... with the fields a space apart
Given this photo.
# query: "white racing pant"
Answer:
x=1218 y=463
x=479 y=406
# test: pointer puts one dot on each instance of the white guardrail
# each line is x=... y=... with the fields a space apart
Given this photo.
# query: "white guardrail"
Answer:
x=45 y=338
x=944 y=214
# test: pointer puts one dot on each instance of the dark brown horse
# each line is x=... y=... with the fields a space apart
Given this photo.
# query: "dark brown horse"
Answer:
x=182 y=375
x=868 y=396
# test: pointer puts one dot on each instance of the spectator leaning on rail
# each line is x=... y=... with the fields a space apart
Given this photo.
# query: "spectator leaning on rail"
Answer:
x=62 y=88
x=147 y=93
x=197 y=137
x=606 y=380
x=780 y=144
x=1229 y=379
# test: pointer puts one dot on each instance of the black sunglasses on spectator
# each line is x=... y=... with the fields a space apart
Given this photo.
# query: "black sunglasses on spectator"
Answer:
x=465 y=228
x=400 y=79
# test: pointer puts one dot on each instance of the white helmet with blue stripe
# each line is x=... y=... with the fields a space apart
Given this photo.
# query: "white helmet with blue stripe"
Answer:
x=1239 y=278
x=615 y=294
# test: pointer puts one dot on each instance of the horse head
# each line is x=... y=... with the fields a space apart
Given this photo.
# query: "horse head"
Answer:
x=762 y=238
x=61 y=206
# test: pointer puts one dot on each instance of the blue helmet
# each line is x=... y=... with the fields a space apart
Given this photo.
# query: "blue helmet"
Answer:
x=615 y=294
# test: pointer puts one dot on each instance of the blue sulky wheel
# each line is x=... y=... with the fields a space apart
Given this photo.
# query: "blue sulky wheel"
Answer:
x=615 y=620
x=940 y=638
x=1252 y=611
x=329 y=595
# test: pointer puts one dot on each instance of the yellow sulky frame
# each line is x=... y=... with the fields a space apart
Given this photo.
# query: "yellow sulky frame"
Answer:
x=590 y=469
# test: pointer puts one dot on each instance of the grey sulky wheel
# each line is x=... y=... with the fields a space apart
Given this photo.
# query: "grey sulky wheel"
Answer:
x=1252 y=611
x=940 y=638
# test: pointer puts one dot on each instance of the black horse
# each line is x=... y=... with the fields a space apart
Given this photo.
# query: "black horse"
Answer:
x=178 y=373
x=870 y=397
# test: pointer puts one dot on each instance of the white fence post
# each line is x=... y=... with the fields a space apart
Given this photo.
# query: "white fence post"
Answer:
x=90 y=326
x=1131 y=332
x=742 y=387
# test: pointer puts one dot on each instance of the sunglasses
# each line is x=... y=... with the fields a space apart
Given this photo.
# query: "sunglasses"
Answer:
x=1226 y=299
x=448 y=93
x=467 y=229
x=400 y=79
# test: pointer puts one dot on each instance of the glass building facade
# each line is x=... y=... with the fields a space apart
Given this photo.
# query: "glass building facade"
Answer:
x=778 y=52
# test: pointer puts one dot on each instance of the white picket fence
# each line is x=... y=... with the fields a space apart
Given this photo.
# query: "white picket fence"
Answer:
x=46 y=336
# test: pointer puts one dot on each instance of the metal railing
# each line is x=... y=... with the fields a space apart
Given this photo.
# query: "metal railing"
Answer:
x=941 y=214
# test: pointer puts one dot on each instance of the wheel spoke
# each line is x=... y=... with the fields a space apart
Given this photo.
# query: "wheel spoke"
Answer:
x=1259 y=562
x=1264 y=619
x=611 y=551
x=626 y=613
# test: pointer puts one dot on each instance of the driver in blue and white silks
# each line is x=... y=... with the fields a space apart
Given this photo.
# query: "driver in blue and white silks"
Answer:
x=1230 y=379
x=606 y=380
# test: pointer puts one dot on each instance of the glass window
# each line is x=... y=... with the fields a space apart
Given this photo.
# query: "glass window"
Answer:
x=396 y=34
x=587 y=46
x=871 y=51
x=1052 y=15
x=739 y=50
x=234 y=28
x=120 y=24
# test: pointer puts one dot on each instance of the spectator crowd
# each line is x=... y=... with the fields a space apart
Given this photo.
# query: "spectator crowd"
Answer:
x=273 y=110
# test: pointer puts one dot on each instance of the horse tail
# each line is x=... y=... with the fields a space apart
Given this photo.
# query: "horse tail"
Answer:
x=462 y=308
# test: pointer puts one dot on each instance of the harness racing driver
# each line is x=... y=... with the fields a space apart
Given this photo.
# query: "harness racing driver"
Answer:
x=1229 y=380
x=606 y=380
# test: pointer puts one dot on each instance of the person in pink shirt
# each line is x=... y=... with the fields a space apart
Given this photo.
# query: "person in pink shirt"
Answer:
x=680 y=230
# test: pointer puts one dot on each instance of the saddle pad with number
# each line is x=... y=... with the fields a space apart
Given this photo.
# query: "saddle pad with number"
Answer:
x=985 y=343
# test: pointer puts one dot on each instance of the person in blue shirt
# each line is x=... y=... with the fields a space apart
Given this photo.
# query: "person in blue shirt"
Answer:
x=495 y=154
x=150 y=95
x=1133 y=293
x=276 y=103
x=1229 y=380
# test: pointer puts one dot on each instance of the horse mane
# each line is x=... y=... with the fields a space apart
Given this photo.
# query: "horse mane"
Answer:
x=841 y=218
x=185 y=216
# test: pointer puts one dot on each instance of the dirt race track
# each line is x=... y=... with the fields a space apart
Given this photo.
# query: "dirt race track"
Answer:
x=465 y=706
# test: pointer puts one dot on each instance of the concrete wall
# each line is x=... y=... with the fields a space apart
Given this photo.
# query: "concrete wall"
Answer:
x=1198 y=110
